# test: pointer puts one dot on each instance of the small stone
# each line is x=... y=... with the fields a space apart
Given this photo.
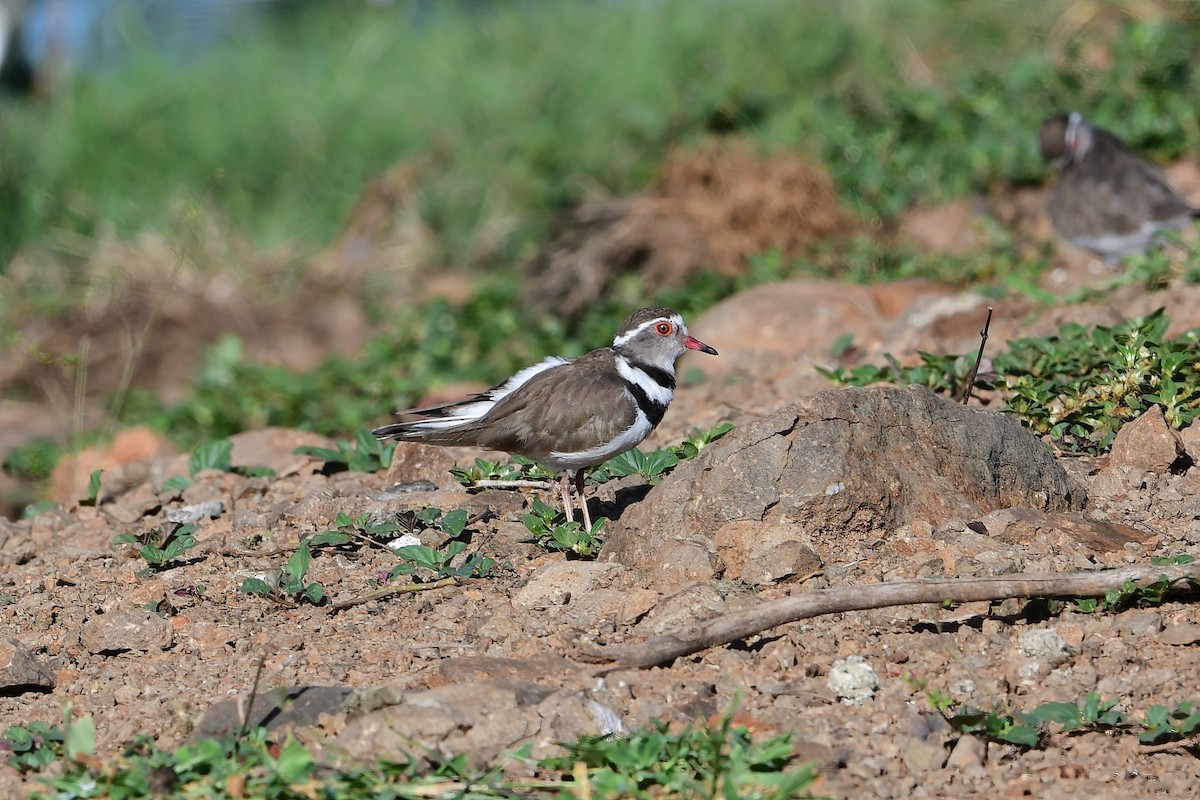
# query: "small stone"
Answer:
x=209 y=509
x=853 y=680
x=922 y=756
x=119 y=631
x=560 y=579
x=1183 y=633
x=1148 y=443
x=1146 y=623
x=967 y=753
x=20 y=670
x=1043 y=643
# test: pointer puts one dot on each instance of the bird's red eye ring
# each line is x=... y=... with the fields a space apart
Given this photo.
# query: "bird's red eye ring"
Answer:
x=664 y=328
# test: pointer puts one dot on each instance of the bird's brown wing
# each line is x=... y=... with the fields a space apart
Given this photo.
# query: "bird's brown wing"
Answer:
x=569 y=409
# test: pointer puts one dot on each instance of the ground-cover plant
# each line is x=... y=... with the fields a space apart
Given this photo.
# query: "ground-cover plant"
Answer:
x=551 y=530
x=723 y=760
x=1158 y=724
x=1077 y=387
x=700 y=761
x=365 y=454
x=287 y=585
x=161 y=547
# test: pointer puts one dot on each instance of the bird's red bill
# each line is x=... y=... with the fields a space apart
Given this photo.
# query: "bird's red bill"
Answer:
x=692 y=343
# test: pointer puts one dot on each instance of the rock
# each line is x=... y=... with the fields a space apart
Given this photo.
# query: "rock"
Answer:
x=274 y=709
x=500 y=671
x=119 y=631
x=414 y=461
x=210 y=509
x=275 y=448
x=968 y=752
x=853 y=680
x=21 y=671
x=764 y=552
x=1189 y=440
x=922 y=756
x=1147 y=443
x=1019 y=526
x=134 y=446
x=479 y=720
x=841 y=464
x=953 y=227
x=1042 y=643
x=1146 y=623
x=1182 y=633
x=559 y=581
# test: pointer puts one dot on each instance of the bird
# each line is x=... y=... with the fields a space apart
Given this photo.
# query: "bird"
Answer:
x=568 y=414
x=1107 y=199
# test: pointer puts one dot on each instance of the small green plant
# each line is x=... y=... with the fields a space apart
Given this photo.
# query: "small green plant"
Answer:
x=364 y=454
x=93 y=491
x=33 y=747
x=701 y=761
x=1129 y=594
x=997 y=725
x=287 y=586
x=551 y=530
x=656 y=464
x=484 y=470
x=1093 y=715
x=414 y=557
x=1077 y=387
x=162 y=546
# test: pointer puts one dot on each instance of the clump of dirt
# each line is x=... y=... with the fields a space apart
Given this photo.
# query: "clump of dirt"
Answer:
x=711 y=209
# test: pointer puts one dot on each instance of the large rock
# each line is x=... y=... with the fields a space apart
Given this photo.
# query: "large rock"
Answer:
x=841 y=463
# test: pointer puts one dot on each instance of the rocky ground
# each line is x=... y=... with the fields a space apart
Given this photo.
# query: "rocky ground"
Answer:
x=814 y=488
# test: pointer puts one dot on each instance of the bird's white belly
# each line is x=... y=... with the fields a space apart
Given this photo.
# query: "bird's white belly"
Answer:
x=627 y=440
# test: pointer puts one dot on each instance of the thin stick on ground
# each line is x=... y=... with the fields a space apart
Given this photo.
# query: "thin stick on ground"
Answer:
x=517 y=484
x=391 y=590
x=748 y=622
x=244 y=728
x=983 y=337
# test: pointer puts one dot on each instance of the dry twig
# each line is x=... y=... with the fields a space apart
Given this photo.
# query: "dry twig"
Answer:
x=983 y=337
x=748 y=622
x=389 y=591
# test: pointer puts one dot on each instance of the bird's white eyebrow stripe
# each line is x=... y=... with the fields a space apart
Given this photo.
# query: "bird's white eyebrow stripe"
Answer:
x=624 y=338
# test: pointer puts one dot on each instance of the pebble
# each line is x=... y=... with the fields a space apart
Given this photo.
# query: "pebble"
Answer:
x=119 y=631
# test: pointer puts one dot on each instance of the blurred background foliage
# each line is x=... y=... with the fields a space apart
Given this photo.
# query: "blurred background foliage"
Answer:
x=244 y=134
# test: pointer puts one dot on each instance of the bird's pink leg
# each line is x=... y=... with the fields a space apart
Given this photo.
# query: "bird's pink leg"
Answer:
x=587 y=519
x=565 y=491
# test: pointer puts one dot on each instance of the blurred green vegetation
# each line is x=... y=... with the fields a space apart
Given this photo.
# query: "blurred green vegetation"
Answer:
x=527 y=108
x=532 y=106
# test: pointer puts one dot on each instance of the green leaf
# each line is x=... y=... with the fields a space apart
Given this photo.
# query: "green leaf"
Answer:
x=1065 y=714
x=297 y=566
x=315 y=593
x=93 y=488
x=323 y=453
x=421 y=555
x=330 y=538
x=81 y=738
x=176 y=484
x=211 y=455
x=1022 y=735
x=295 y=763
x=453 y=523
x=256 y=586
x=255 y=472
